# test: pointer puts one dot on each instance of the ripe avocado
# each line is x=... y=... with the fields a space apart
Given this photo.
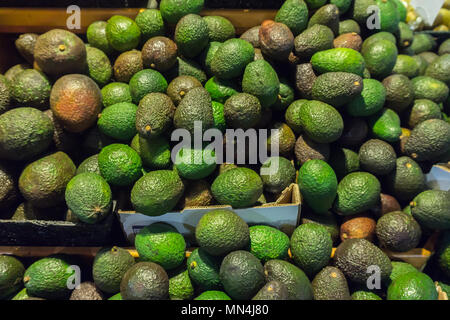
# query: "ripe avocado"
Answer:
x=31 y=88
x=318 y=185
x=242 y=110
x=154 y=116
x=359 y=226
x=180 y=287
x=328 y=15
x=151 y=24
x=337 y=88
x=195 y=107
x=241 y=274
x=220 y=28
x=58 y=52
x=181 y=85
x=76 y=101
x=145 y=281
x=221 y=231
x=354 y=256
x=118 y=121
x=294 y=14
x=191 y=35
x=198 y=194
x=283 y=139
x=321 y=122
x=48 y=277
x=412 y=286
x=252 y=36
x=306 y=149
x=295 y=280
x=96 y=37
x=273 y=290
x=311 y=247
x=423 y=109
x=109 y=267
x=204 y=269
x=89 y=198
x=277 y=173
x=239 y=187
x=304 y=79
x=398 y=231
x=127 y=65
x=356 y=193
x=24 y=133
x=330 y=284
x=123 y=33
x=44 y=181
x=146 y=81
x=348 y=40
x=339 y=60
x=231 y=58
x=86 y=291
x=275 y=40
x=162 y=244
x=268 y=243
x=431 y=209
x=428 y=140
x=399 y=92
x=157 y=192
x=377 y=157
x=407 y=180
x=12 y=274
x=25 y=45
x=98 y=66
x=116 y=92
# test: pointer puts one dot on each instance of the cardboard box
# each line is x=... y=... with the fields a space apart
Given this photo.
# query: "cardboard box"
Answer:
x=283 y=214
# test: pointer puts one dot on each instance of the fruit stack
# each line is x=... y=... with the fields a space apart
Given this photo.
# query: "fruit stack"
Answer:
x=357 y=111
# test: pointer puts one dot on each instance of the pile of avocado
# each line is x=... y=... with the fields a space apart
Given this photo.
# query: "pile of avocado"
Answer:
x=362 y=113
x=232 y=262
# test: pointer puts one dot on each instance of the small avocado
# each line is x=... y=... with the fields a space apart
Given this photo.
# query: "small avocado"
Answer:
x=275 y=40
x=173 y=10
x=311 y=247
x=294 y=14
x=337 y=88
x=351 y=198
x=110 y=264
x=304 y=79
x=204 y=269
x=191 y=35
x=328 y=15
x=385 y=125
x=116 y=92
x=118 y=121
x=349 y=26
x=231 y=58
x=273 y=290
x=181 y=85
x=151 y=24
x=423 y=109
x=377 y=157
x=354 y=256
x=162 y=244
x=145 y=281
x=154 y=115
x=252 y=36
x=398 y=231
x=431 y=209
x=407 y=180
x=220 y=28
x=159 y=53
x=146 y=81
x=98 y=66
x=123 y=33
x=277 y=173
x=44 y=181
x=399 y=92
x=330 y=284
x=86 y=291
x=242 y=275
x=242 y=110
x=58 y=52
x=127 y=65
x=348 y=40
x=157 y=192
x=221 y=231
x=380 y=58
x=296 y=282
